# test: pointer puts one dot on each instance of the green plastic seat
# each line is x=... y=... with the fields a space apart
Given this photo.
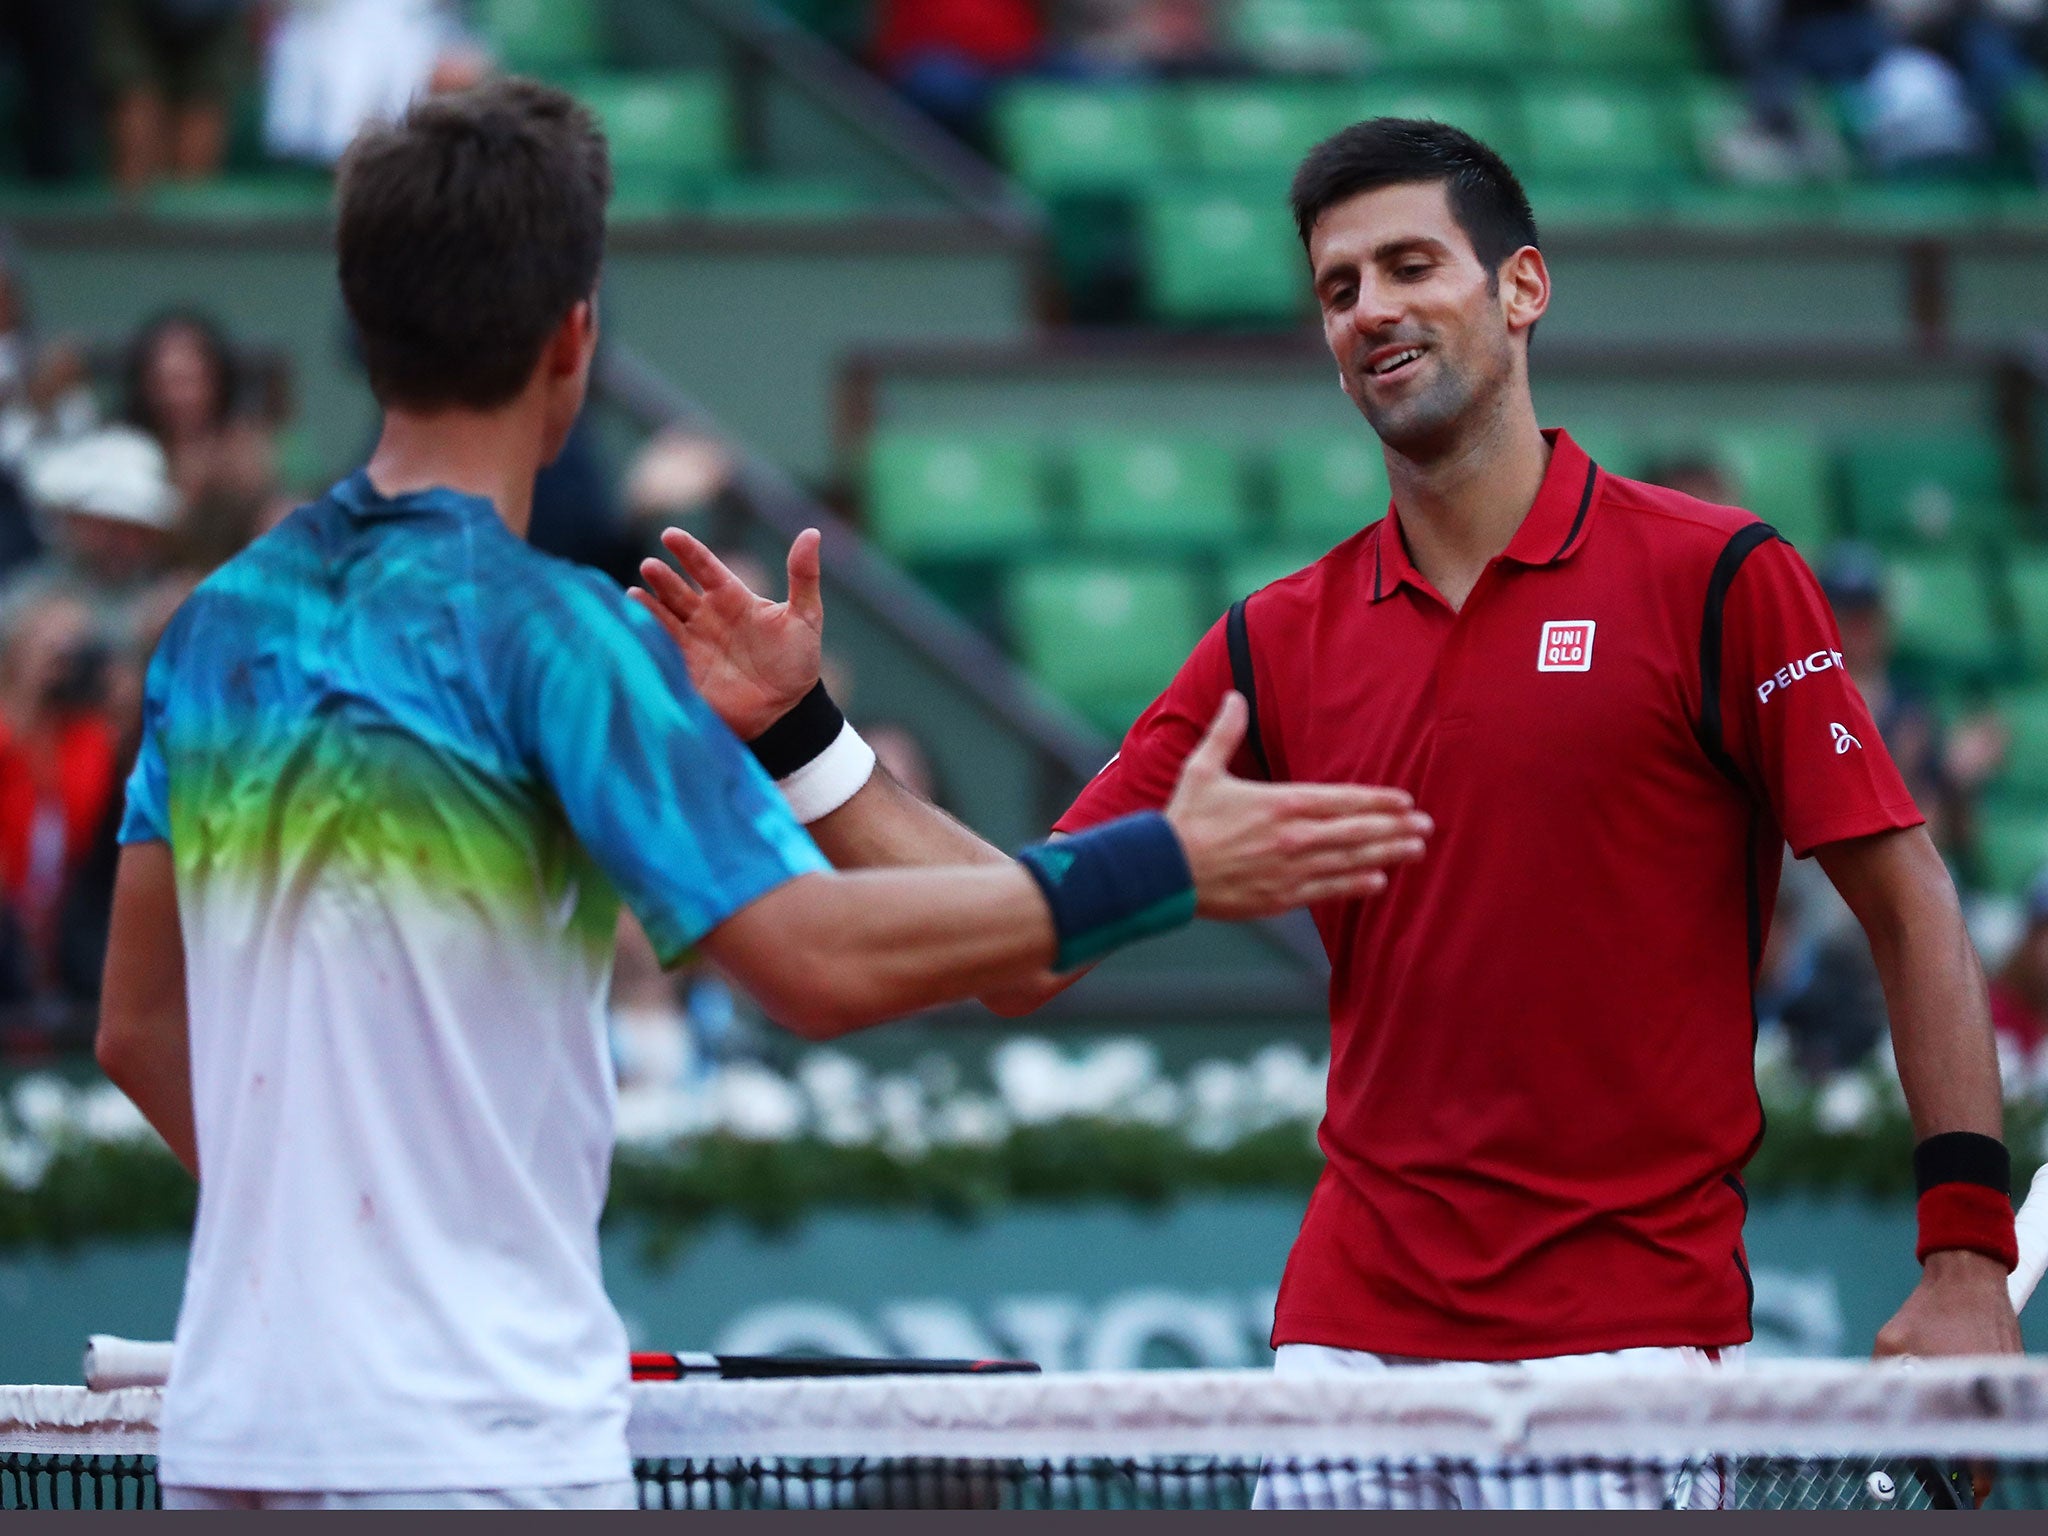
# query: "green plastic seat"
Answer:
x=1327 y=486
x=1158 y=492
x=1060 y=138
x=1488 y=115
x=1461 y=35
x=660 y=125
x=1296 y=34
x=2026 y=577
x=1627 y=34
x=1257 y=129
x=1599 y=132
x=1104 y=636
x=1929 y=490
x=936 y=496
x=2025 y=773
x=1220 y=254
x=1941 y=614
x=1250 y=569
x=542 y=36
x=1781 y=474
x=2012 y=842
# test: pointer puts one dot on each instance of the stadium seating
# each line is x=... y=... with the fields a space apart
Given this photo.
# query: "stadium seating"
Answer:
x=1327 y=486
x=2012 y=843
x=1104 y=635
x=1928 y=490
x=667 y=132
x=935 y=497
x=1942 y=615
x=1158 y=492
x=1062 y=138
x=1624 y=34
x=1260 y=128
x=1782 y=473
x=2027 y=576
x=1463 y=35
x=1220 y=254
x=1601 y=132
x=2024 y=778
x=543 y=37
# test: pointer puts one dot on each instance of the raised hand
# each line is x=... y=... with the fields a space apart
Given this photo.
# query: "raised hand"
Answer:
x=1258 y=850
x=750 y=658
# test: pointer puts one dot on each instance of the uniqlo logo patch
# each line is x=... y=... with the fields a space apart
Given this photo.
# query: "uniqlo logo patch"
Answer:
x=1567 y=646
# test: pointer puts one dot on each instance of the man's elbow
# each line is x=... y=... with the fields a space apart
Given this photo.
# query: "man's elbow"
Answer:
x=822 y=997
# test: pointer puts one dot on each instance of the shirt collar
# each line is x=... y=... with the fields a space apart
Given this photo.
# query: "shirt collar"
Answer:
x=1552 y=530
x=365 y=500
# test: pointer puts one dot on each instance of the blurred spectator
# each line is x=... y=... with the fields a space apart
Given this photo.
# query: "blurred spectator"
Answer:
x=109 y=512
x=182 y=388
x=44 y=397
x=1146 y=38
x=58 y=774
x=51 y=45
x=2019 y=992
x=1928 y=82
x=947 y=56
x=170 y=68
x=1944 y=769
x=1817 y=981
x=81 y=946
x=332 y=65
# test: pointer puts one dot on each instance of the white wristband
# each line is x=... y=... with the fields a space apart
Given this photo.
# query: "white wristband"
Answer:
x=831 y=778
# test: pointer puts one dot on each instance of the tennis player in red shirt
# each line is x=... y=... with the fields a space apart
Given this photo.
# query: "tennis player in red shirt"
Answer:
x=1618 y=704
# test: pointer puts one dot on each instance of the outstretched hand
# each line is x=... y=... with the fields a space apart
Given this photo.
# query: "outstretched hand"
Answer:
x=751 y=659
x=1257 y=850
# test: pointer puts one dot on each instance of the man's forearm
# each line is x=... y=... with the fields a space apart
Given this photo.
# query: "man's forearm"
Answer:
x=152 y=1068
x=885 y=826
x=1933 y=985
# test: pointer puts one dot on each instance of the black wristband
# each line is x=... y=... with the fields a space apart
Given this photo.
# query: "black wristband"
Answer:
x=803 y=733
x=1962 y=1157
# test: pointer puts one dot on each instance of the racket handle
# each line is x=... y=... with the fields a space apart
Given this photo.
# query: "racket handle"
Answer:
x=112 y=1363
x=2030 y=1226
x=654 y=1365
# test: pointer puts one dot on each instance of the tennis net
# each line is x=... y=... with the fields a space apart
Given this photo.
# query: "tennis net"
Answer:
x=1770 y=1434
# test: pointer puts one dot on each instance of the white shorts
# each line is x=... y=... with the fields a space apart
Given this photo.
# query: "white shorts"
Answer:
x=1501 y=1485
x=620 y=1495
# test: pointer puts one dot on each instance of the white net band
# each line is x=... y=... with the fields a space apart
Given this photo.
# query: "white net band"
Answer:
x=1989 y=1409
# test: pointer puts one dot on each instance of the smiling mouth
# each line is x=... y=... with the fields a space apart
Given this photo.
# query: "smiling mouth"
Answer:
x=1400 y=361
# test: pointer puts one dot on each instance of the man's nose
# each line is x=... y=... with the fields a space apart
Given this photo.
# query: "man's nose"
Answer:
x=1378 y=309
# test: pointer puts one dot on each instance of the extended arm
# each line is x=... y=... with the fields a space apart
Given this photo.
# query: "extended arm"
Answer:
x=1900 y=891
x=142 y=1044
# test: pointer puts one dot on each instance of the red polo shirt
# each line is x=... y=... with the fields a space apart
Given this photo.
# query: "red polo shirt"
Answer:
x=1542 y=1089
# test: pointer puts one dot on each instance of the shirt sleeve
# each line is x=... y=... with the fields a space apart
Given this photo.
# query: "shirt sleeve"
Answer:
x=667 y=800
x=1142 y=774
x=147 y=815
x=1796 y=724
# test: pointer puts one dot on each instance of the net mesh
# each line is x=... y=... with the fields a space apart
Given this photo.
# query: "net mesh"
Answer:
x=1771 y=1435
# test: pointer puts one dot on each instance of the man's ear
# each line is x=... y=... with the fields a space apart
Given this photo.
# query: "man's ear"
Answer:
x=573 y=339
x=1524 y=289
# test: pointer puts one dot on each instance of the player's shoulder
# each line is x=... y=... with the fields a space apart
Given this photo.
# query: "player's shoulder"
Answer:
x=1674 y=522
x=1298 y=593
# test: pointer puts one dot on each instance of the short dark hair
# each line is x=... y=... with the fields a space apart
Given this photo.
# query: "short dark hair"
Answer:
x=1486 y=199
x=466 y=231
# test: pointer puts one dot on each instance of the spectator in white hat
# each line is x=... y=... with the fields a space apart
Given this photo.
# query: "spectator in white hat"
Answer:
x=109 y=513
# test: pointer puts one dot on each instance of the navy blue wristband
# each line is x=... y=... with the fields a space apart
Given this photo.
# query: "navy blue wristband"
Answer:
x=1123 y=880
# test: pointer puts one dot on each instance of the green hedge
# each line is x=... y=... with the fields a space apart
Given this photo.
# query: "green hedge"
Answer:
x=91 y=1191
